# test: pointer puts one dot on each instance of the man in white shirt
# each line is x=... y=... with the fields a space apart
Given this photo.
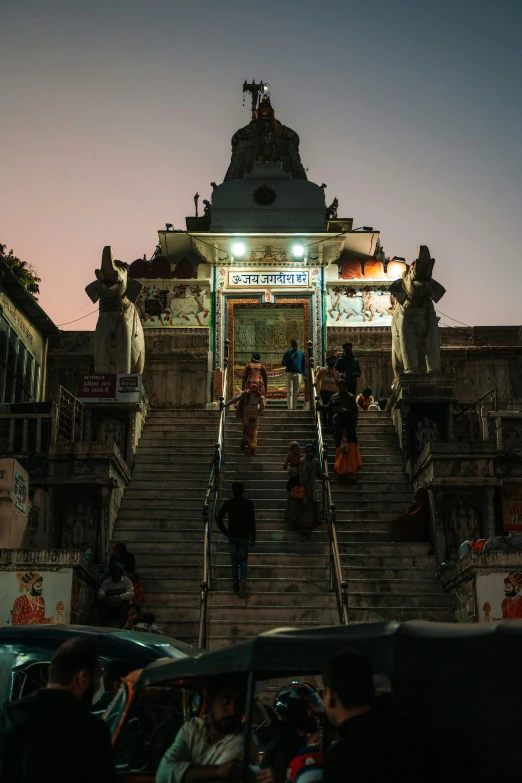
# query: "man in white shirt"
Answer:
x=208 y=748
x=115 y=596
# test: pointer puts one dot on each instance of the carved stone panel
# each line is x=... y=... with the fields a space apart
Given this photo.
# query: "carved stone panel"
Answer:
x=80 y=525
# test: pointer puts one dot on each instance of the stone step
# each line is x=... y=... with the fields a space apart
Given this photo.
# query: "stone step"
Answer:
x=315 y=574
x=178 y=614
x=412 y=600
x=284 y=561
x=368 y=525
x=186 y=566
x=382 y=547
x=281 y=600
x=387 y=572
x=154 y=548
x=399 y=614
x=260 y=578
x=137 y=519
x=386 y=586
x=400 y=560
x=166 y=558
x=244 y=614
x=184 y=630
x=246 y=629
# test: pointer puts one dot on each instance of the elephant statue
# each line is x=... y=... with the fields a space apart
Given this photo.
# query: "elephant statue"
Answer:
x=415 y=331
x=119 y=343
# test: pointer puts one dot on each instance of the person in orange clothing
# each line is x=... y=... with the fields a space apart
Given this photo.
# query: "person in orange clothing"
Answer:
x=29 y=609
x=512 y=603
x=255 y=373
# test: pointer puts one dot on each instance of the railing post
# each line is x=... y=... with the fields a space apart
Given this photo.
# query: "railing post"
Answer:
x=484 y=421
x=54 y=423
x=498 y=432
x=38 y=435
x=25 y=436
x=11 y=436
x=311 y=369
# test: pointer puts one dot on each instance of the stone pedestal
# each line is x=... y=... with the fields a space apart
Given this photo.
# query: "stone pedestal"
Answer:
x=50 y=586
x=485 y=586
x=422 y=411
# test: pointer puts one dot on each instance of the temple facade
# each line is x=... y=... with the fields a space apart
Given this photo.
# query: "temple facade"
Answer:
x=97 y=454
x=267 y=261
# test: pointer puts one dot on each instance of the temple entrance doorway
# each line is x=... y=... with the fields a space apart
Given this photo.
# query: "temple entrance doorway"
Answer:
x=267 y=329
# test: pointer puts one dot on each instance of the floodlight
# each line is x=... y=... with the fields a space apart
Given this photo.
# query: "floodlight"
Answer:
x=238 y=249
x=298 y=251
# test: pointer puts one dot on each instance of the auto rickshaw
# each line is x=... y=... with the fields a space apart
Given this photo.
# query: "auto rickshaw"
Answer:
x=459 y=682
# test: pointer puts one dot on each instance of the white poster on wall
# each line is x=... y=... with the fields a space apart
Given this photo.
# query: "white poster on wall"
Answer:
x=35 y=597
x=499 y=596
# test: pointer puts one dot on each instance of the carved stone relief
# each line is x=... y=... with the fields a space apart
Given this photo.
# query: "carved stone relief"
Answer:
x=111 y=429
x=462 y=524
x=80 y=525
x=426 y=431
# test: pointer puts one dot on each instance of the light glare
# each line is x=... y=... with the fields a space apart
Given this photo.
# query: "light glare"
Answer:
x=238 y=249
x=298 y=251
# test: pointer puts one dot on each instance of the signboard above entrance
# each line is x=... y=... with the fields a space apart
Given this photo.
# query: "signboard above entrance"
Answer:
x=261 y=278
x=110 y=387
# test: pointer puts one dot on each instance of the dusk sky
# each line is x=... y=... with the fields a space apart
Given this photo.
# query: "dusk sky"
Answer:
x=115 y=112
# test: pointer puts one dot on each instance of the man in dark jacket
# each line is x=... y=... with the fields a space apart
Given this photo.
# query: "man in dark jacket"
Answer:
x=374 y=743
x=241 y=531
x=348 y=366
x=51 y=735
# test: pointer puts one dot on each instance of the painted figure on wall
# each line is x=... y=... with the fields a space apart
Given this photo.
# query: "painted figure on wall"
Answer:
x=29 y=609
x=512 y=602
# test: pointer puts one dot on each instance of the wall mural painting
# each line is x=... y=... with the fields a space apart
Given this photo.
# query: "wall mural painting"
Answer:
x=368 y=306
x=174 y=304
x=35 y=598
x=499 y=596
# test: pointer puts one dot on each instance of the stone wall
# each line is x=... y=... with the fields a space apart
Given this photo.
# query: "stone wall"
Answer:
x=480 y=358
x=176 y=368
x=177 y=361
x=176 y=365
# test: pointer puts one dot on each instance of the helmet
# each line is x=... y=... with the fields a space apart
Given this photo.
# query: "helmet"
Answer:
x=300 y=705
x=299 y=690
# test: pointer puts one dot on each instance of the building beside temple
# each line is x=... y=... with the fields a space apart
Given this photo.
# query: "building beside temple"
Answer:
x=269 y=260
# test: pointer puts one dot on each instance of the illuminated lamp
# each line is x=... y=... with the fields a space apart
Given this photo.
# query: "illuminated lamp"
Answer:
x=298 y=251
x=374 y=269
x=396 y=268
x=351 y=269
x=238 y=249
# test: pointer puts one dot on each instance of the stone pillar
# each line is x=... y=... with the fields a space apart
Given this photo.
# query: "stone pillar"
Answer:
x=438 y=537
x=490 y=527
x=87 y=425
x=451 y=427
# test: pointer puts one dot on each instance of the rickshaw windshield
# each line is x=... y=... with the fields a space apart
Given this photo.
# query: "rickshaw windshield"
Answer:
x=151 y=726
x=116 y=709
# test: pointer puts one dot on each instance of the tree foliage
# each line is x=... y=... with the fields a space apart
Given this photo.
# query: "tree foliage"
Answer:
x=24 y=271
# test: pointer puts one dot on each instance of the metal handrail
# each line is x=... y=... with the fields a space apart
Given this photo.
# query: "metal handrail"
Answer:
x=212 y=502
x=476 y=407
x=336 y=573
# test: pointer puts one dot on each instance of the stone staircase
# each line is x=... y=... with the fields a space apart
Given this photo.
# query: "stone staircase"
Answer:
x=386 y=580
x=160 y=520
x=288 y=572
x=160 y=516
